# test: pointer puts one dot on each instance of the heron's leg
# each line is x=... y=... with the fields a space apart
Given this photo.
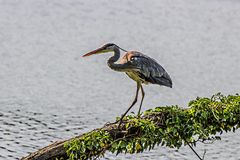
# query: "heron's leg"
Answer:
x=134 y=101
x=143 y=94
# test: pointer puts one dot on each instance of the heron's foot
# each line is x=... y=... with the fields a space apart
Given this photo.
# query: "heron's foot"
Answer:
x=139 y=115
x=119 y=125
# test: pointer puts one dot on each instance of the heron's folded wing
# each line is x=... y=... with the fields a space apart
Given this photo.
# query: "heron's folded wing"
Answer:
x=151 y=70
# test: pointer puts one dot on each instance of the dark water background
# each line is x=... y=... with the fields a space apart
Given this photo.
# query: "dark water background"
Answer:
x=48 y=92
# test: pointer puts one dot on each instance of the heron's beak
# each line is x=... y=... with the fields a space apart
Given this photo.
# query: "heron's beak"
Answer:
x=97 y=51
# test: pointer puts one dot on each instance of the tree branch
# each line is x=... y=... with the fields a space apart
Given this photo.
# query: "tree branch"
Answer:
x=169 y=126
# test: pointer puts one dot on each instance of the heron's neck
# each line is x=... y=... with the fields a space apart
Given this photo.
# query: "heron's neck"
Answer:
x=114 y=58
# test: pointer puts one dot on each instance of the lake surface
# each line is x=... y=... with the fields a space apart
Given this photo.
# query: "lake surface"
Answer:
x=49 y=93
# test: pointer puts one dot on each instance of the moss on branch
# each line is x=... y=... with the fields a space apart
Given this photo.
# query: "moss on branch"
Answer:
x=169 y=126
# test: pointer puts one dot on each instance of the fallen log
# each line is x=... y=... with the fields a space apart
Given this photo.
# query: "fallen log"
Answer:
x=169 y=126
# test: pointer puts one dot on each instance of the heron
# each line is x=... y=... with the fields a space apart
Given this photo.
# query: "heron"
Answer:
x=138 y=66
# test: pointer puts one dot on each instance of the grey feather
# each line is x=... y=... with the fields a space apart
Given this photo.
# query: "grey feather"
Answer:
x=150 y=70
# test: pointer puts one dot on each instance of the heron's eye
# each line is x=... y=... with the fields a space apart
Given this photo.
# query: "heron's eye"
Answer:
x=133 y=58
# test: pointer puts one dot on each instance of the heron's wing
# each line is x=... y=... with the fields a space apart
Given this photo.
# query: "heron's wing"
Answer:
x=150 y=70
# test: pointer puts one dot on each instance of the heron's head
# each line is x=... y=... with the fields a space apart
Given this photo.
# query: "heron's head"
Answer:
x=109 y=47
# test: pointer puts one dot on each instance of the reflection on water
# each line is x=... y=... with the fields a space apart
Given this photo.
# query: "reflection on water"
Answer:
x=48 y=92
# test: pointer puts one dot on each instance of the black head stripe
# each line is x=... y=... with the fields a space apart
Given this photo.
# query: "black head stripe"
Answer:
x=122 y=49
x=112 y=44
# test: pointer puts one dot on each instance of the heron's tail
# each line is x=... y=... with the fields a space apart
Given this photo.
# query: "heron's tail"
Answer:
x=164 y=82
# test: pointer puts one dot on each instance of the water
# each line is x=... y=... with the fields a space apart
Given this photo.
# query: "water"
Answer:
x=49 y=93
